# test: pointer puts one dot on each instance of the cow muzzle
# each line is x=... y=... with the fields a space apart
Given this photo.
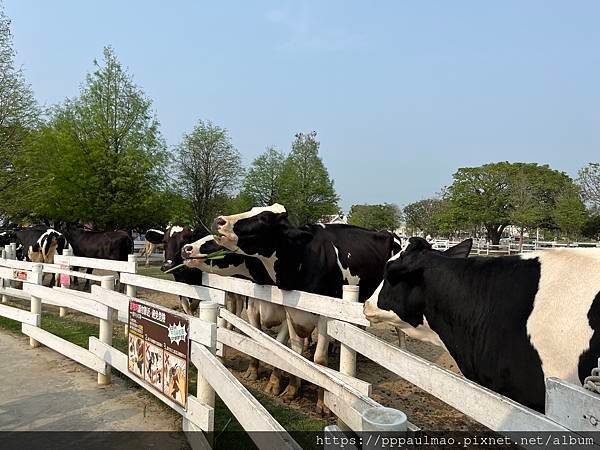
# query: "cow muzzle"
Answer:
x=167 y=265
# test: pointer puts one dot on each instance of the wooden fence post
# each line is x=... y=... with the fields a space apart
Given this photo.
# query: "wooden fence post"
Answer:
x=208 y=311
x=131 y=290
x=347 y=355
x=6 y=283
x=106 y=328
x=36 y=302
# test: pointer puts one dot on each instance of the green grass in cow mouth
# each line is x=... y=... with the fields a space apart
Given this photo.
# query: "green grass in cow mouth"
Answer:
x=78 y=332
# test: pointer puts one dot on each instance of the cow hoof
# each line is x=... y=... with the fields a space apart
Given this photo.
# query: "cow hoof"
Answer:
x=322 y=410
x=273 y=388
x=251 y=374
x=289 y=393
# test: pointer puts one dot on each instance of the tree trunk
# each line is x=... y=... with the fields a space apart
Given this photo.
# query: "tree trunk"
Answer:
x=494 y=233
x=521 y=240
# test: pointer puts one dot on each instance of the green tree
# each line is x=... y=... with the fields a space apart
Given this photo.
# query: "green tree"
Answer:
x=100 y=158
x=425 y=216
x=591 y=228
x=588 y=180
x=209 y=170
x=569 y=213
x=375 y=217
x=305 y=187
x=19 y=112
x=262 y=183
x=496 y=195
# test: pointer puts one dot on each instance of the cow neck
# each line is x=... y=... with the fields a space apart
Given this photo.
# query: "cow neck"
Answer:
x=463 y=303
x=286 y=261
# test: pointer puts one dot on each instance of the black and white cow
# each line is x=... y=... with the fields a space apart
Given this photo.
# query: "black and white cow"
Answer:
x=509 y=322
x=315 y=258
x=261 y=314
x=174 y=239
x=153 y=241
x=40 y=244
x=113 y=245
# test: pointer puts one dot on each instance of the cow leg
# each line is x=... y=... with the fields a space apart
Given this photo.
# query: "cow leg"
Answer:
x=274 y=384
x=87 y=282
x=185 y=304
x=401 y=338
x=254 y=319
x=297 y=344
x=230 y=305
x=321 y=357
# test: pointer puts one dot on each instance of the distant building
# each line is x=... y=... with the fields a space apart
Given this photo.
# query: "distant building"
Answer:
x=335 y=218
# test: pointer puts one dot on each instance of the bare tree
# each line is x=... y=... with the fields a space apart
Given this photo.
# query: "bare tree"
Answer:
x=589 y=182
x=209 y=168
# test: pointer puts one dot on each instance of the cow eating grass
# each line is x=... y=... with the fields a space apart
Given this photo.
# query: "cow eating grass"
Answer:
x=509 y=322
x=315 y=258
x=261 y=315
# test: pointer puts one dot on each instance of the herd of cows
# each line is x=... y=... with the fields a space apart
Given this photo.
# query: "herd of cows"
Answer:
x=509 y=322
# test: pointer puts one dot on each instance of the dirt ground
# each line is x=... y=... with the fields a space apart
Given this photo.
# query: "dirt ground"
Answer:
x=390 y=390
x=40 y=393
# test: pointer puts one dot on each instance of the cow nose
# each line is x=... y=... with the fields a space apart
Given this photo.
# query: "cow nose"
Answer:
x=218 y=222
x=187 y=250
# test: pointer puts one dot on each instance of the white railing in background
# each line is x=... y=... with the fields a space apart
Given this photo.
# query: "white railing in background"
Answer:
x=482 y=247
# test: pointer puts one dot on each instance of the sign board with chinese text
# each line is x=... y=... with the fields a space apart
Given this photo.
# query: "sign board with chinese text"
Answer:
x=158 y=349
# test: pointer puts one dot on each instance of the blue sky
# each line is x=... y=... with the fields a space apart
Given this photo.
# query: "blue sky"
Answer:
x=401 y=93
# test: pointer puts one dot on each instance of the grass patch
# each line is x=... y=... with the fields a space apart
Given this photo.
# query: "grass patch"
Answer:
x=154 y=271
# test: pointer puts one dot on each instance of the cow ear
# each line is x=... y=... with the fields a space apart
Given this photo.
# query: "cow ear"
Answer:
x=282 y=217
x=461 y=250
x=297 y=237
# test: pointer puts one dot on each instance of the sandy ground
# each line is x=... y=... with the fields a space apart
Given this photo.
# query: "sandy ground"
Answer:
x=42 y=390
x=389 y=389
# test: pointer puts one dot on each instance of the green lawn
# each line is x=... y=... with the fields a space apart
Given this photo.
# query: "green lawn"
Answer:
x=78 y=332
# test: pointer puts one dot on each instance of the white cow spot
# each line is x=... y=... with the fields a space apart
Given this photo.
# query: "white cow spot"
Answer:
x=558 y=326
x=175 y=229
x=346 y=274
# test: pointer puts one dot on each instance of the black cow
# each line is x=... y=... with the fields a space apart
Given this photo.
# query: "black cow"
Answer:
x=316 y=258
x=113 y=245
x=509 y=322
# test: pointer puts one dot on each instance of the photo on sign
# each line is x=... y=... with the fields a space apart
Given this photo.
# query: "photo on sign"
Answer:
x=154 y=366
x=136 y=355
x=176 y=378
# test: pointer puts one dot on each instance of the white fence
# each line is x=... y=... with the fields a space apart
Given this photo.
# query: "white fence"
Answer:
x=346 y=396
x=482 y=247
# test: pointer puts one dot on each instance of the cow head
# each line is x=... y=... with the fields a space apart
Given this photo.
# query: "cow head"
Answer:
x=174 y=239
x=194 y=254
x=400 y=300
x=259 y=231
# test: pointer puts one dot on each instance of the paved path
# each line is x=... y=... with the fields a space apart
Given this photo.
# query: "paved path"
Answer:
x=42 y=390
